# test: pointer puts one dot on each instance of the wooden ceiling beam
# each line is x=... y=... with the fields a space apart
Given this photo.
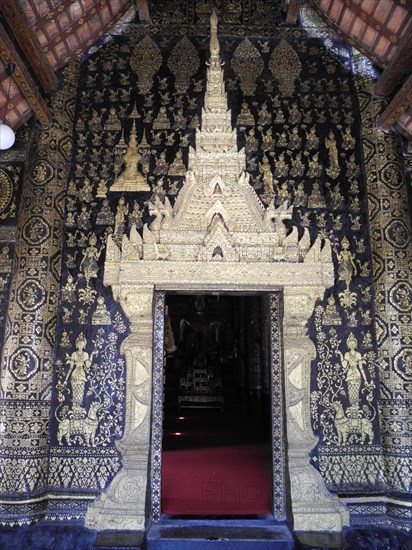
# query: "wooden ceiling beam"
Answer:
x=55 y=12
x=292 y=12
x=397 y=66
x=29 y=44
x=23 y=80
x=396 y=107
x=370 y=21
x=142 y=7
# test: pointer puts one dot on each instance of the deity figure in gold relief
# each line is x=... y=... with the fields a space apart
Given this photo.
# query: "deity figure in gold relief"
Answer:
x=245 y=117
x=91 y=255
x=332 y=147
x=79 y=363
x=353 y=363
x=266 y=171
x=282 y=169
x=347 y=267
x=122 y=211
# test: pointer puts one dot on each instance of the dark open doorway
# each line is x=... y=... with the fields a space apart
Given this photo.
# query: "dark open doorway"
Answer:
x=217 y=449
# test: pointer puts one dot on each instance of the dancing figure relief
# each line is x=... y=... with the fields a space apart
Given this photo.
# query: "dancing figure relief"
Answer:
x=346 y=261
x=353 y=363
x=354 y=425
x=79 y=363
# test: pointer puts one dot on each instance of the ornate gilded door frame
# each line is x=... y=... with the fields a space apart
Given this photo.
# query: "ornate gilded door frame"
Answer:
x=125 y=504
x=273 y=322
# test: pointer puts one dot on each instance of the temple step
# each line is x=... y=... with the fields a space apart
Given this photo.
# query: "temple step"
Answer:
x=219 y=534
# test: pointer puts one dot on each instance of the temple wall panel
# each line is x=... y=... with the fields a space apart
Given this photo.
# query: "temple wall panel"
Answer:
x=306 y=125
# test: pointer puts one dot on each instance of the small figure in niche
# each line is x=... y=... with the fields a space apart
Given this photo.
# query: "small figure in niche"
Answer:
x=331 y=316
x=265 y=118
x=101 y=190
x=300 y=196
x=295 y=142
x=245 y=117
x=179 y=122
x=312 y=140
x=5 y=261
x=162 y=121
x=177 y=168
x=282 y=169
x=266 y=172
x=101 y=316
x=122 y=211
x=316 y=199
x=162 y=166
x=65 y=340
x=135 y=216
x=295 y=115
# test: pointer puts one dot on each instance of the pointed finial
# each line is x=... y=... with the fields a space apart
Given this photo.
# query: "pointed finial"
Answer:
x=135 y=113
x=214 y=42
x=213 y=19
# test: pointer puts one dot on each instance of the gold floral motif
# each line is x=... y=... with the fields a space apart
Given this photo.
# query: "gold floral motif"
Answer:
x=248 y=65
x=6 y=192
x=285 y=66
x=145 y=62
x=183 y=62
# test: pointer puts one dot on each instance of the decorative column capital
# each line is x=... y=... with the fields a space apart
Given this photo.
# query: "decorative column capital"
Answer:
x=136 y=300
x=299 y=302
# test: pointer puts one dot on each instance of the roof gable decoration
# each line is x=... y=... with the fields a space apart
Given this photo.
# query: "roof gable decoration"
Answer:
x=217 y=215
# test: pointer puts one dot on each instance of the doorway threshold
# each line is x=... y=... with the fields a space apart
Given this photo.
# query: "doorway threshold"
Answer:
x=262 y=533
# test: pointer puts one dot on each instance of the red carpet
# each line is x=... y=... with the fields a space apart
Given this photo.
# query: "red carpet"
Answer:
x=215 y=470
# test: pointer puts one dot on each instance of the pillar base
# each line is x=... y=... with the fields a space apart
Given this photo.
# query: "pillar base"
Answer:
x=123 y=506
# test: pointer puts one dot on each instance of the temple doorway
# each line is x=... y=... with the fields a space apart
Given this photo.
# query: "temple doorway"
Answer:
x=217 y=457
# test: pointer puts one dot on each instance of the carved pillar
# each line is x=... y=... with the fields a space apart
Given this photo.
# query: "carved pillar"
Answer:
x=123 y=506
x=313 y=507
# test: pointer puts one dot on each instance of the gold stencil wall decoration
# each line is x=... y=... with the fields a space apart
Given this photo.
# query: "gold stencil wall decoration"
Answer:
x=183 y=63
x=6 y=194
x=145 y=61
x=248 y=65
x=285 y=66
x=391 y=242
x=27 y=361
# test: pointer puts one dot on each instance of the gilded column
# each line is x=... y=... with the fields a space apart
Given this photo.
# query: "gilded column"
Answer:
x=123 y=505
x=314 y=508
